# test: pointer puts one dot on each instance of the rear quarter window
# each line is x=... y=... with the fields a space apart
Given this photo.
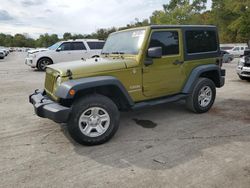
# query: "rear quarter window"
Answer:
x=201 y=41
x=96 y=45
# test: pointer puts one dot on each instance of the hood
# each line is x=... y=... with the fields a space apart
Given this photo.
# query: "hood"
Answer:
x=37 y=50
x=92 y=66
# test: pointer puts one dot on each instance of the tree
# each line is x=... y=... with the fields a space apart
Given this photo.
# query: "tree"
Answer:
x=233 y=19
x=46 y=40
x=67 y=36
x=179 y=12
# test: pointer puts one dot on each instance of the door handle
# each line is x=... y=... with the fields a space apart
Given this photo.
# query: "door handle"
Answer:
x=177 y=62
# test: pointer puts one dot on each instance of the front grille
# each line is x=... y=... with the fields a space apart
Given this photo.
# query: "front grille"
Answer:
x=49 y=82
x=246 y=73
x=247 y=63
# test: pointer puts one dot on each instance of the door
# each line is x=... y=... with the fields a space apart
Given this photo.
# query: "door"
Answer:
x=78 y=51
x=165 y=76
x=236 y=51
x=63 y=53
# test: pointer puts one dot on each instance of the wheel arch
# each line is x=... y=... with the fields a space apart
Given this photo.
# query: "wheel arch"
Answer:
x=212 y=72
x=105 y=85
x=95 y=56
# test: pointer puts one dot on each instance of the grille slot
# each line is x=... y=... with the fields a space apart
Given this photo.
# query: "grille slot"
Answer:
x=49 y=82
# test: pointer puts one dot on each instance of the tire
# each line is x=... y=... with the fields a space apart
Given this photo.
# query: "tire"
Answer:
x=85 y=120
x=202 y=97
x=42 y=63
x=242 y=77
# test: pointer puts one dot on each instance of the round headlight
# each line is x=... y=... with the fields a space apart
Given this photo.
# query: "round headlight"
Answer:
x=58 y=80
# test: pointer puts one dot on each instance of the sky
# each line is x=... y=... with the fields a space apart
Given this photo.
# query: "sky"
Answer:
x=37 y=17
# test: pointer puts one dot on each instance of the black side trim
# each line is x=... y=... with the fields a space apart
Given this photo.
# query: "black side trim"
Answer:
x=196 y=73
x=91 y=82
x=158 y=101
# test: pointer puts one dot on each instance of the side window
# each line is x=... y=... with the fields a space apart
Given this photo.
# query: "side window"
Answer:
x=199 y=41
x=65 y=46
x=168 y=40
x=78 y=46
x=236 y=49
x=96 y=45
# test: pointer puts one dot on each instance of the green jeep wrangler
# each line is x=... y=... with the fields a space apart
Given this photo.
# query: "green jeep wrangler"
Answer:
x=138 y=67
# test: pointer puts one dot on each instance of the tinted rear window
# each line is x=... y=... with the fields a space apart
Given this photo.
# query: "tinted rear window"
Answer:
x=201 y=41
x=96 y=45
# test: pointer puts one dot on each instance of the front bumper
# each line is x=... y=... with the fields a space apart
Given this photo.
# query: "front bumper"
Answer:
x=46 y=108
x=243 y=71
x=30 y=62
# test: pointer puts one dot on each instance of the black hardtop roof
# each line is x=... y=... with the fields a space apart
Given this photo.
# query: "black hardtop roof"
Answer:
x=181 y=26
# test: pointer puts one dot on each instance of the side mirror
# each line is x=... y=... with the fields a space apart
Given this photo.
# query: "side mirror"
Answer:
x=59 y=49
x=155 y=52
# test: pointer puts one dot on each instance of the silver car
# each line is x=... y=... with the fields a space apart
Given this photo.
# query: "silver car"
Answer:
x=243 y=67
x=2 y=54
x=226 y=57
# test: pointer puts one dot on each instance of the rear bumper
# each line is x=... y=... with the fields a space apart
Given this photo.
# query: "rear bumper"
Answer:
x=46 y=108
x=222 y=77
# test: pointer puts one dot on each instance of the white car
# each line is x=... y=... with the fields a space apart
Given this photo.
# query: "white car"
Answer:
x=2 y=54
x=5 y=50
x=243 y=67
x=237 y=51
x=64 y=51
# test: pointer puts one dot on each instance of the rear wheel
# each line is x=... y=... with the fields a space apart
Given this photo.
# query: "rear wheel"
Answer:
x=43 y=63
x=202 y=97
x=94 y=120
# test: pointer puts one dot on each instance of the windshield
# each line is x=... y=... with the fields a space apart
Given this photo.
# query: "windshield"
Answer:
x=127 y=42
x=55 y=46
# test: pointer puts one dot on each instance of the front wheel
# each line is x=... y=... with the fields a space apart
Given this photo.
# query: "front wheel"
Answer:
x=202 y=97
x=94 y=120
x=43 y=63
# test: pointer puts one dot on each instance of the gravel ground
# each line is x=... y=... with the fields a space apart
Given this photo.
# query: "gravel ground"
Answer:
x=172 y=147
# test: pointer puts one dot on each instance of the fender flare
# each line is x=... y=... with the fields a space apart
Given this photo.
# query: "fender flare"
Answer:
x=91 y=82
x=196 y=73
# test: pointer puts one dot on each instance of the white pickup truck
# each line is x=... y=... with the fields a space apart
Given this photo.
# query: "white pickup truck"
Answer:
x=64 y=51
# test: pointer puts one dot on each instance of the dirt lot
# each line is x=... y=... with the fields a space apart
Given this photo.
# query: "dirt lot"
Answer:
x=182 y=149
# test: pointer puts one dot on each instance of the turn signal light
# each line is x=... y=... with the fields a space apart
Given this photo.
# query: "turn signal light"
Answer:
x=72 y=92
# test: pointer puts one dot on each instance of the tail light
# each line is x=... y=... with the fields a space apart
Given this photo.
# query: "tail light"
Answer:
x=219 y=62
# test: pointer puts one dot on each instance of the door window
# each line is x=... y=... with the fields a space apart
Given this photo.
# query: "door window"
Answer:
x=78 y=46
x=65 y=46
x=236 y=49
x=168 y=40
